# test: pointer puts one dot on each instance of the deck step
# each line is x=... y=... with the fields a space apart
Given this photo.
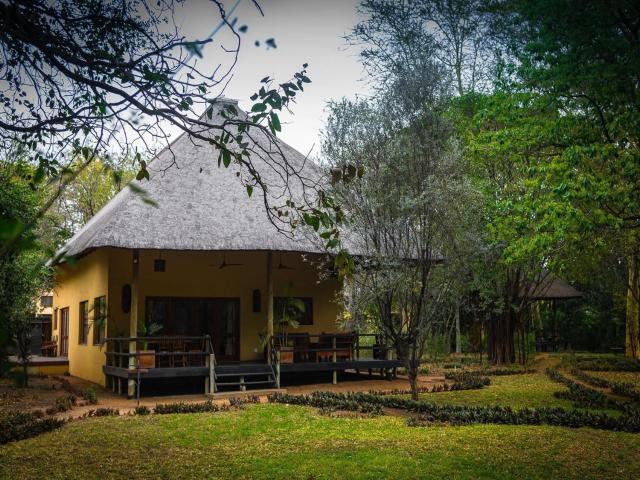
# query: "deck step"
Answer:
x=255 y=382
x=243 y=374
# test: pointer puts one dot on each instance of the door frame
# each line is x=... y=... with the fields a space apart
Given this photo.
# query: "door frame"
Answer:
x=170 y=298
x=64 y=338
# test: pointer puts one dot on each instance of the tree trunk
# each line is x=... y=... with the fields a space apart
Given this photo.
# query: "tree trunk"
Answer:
x=632 y=340
x=503 y=348
x=412 y=374
x=458 y=334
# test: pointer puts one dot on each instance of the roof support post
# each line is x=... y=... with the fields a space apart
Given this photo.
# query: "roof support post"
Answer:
x=133 y=321
x=269 y=303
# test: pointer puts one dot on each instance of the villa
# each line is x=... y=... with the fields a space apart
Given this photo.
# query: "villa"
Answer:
x=189 y=287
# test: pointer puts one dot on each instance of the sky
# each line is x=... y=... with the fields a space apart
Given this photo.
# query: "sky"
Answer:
x=305 y=31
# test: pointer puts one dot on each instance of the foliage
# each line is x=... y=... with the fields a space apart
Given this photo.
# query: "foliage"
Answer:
x=142 y=410
x=102 y=412
x=21 y=425
x=181 y=407
x=608 y=364
x=89 y=394
x=22 y=274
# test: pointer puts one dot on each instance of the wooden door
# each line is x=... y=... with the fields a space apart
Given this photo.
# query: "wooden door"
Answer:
x=224 y=328
x=64 y=332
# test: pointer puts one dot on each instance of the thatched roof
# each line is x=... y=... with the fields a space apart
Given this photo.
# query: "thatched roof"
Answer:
x=552 y=288
x=200 y=206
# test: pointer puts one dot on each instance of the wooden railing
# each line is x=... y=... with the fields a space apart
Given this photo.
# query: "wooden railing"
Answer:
x=329 y=347
x=158 y=352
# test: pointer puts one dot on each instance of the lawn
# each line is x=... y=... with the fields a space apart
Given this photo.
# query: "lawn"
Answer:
x=517 y=391
x=279 y=441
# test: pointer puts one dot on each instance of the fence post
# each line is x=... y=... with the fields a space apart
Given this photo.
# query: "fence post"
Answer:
x=335 y=359
x=212 y=373
x=278 y=368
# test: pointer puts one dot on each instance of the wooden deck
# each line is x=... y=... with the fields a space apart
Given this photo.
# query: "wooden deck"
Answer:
x=330 y=353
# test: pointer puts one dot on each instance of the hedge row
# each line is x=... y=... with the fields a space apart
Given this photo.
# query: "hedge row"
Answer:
x=465 y=415
x=497 y=372
x=471 y=383
x=607 y=364
x=471 y=377
x=624 y=389
x=18 y=426
x=588 y=397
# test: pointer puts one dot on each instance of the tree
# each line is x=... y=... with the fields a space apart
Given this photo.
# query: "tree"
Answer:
x=84 y=77
x=399 y=180
x=586 y=157
x=89 y=192
x=23 y=275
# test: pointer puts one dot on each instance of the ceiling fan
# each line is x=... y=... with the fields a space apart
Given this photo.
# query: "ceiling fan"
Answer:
x=226 y=264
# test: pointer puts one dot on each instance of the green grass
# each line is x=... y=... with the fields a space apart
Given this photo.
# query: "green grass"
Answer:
x=279 y=441
x=517 y=391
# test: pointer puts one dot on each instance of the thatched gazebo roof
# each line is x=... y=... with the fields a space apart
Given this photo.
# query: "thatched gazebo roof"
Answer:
x=201 y=206
x=550 y=287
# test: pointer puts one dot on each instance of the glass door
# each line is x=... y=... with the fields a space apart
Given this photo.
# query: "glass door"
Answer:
x=224 y=327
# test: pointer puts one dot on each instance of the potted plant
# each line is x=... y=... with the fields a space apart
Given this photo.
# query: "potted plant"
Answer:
x=146 y=357
x=289 y=312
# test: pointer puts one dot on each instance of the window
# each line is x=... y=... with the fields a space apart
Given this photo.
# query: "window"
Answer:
x=84 y=323
x=159 y=265
x=99 y=319
x=46 y=301
x=298 y=308
x=55 y=319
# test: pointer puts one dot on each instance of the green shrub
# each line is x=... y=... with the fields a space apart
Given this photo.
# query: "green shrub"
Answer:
x=181 y=407
x=607 y=364
x=141 y=410
x=496 y=372
x=63 y=404
x=18 y=426
x=89 y=394
x=102 y=412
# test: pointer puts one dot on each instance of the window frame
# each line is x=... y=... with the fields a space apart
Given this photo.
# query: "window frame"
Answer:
x=83 y=323
x=308 y=313
x=99 y=310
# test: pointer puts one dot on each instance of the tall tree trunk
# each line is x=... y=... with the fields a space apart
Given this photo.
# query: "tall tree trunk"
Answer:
x=632 y=341
x=458 y=334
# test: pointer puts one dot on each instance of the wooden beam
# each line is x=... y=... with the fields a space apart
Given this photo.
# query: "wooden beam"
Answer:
x=269 y=303
x=133 y=320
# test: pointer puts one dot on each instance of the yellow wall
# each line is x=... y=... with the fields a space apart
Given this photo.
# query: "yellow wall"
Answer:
x=190 y=274
x=74 y=284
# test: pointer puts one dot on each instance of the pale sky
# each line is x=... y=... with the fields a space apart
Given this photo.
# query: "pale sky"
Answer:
x=305 y=31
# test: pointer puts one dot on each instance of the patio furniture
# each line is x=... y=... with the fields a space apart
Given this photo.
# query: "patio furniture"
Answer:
x=179 y=357
x=344 y=344
x=302 y=343
x=48 y=348
x=164 y=349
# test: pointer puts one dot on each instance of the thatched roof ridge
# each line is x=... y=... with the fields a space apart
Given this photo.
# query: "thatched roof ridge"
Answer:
x=200 y=206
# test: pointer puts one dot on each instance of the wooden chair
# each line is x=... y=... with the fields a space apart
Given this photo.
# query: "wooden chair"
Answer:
x=197 y=360
x=165 y=348
x=324 y=341
x=301 y=344
x=344 y=346
x=180 y=359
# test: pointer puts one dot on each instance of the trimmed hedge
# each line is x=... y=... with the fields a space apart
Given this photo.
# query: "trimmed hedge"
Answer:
x=607 y=364
x=588 y=397
x=181 y=407
x=497 y=372
x=624 y=389
x=18 y=426
x=465 y=415
x=472 y=378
